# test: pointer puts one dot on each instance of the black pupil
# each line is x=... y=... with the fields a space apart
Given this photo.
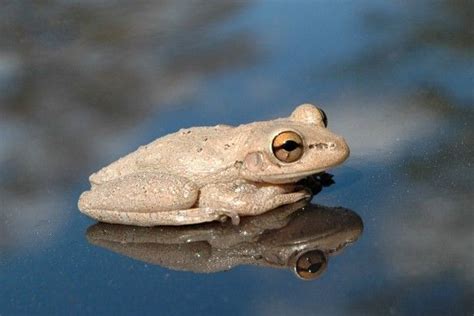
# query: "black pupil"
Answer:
x=313 y=268
x=290 y=145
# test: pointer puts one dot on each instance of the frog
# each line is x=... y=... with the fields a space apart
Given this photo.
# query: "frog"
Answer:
x=213 y=173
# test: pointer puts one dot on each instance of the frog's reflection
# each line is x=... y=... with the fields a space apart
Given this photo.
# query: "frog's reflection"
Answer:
x=297 y=236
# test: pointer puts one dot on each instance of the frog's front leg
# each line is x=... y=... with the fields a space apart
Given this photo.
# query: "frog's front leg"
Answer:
x=248 y=198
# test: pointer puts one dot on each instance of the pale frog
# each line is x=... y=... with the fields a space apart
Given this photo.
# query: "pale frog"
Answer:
x=203 y=174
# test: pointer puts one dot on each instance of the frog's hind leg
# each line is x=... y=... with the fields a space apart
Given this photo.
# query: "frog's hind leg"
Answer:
x=172 y=218
x=144 y=199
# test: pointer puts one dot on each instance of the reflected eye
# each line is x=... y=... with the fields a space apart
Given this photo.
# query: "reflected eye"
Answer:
x=287 y=146
x=311 y=264
x=325 y=118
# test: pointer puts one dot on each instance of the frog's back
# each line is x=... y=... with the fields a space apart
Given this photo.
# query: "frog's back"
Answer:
x=191 y=152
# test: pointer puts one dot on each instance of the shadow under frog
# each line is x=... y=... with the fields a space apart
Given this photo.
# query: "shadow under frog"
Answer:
x=298 y=236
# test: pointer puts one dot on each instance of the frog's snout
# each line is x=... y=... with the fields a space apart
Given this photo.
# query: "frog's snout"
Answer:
x=336 y=151
x=340 y=147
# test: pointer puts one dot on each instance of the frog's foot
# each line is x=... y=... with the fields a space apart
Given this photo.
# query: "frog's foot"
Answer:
x=234 y=216
x=200 y=215
x=317 y=182
x=168 y=218
x=286 y=198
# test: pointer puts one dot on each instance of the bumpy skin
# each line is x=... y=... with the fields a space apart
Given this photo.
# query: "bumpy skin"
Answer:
x=203 y=174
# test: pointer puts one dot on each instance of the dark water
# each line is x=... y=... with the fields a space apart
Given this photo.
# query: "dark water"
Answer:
x=82 y=83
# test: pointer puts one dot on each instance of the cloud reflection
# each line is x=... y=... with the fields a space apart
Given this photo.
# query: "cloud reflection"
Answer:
x=75 y=78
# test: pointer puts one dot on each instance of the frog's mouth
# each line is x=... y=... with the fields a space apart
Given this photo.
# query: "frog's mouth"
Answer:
x=285 y=178
x=289 y=177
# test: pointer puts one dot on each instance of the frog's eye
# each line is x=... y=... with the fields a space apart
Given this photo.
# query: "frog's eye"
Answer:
x=311 y=264
x=324 y=117
x=309 y=114
x=287 y=146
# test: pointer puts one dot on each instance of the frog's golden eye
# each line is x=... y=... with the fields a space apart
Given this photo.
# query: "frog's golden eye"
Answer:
x=287 y=146
x=311 y=264
x=324 y=116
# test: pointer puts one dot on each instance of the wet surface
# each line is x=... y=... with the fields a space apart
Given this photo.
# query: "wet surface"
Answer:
x=287 y=237
x=83 y=83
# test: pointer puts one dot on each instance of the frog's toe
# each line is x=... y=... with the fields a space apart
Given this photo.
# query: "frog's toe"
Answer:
x=225 y=214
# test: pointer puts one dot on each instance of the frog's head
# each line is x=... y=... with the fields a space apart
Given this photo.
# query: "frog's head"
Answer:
x=290 y=149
